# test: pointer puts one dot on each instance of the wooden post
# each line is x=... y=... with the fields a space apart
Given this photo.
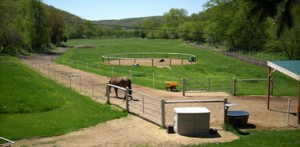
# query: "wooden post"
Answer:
x=163 y=113
x=153 y=80
x=92 y=87
x=225 y=110
x=70 y=81
x=127 y=99
x=107 y=95
x=234 y=86
x=80 y=83
x=208 y=84
x=152 y=62
x=183 y=86
x=288 y=111
x=298 y=113
x=269 y=86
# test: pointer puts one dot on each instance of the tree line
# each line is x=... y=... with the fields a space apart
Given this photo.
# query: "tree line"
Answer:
x=244 y=25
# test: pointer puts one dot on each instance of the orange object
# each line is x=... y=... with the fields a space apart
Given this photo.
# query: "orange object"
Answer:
x=171 y=85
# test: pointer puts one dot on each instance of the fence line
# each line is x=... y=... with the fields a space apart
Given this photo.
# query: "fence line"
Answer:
x=154 y=109
x=146 y=106
x=235 y=55
x=71 y=80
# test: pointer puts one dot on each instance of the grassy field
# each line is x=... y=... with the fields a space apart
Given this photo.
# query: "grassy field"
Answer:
x=219 y=69
x=276 y=138
x=34 y=106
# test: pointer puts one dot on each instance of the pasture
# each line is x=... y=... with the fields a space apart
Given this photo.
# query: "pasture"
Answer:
x=34 y=106
x=210 y=66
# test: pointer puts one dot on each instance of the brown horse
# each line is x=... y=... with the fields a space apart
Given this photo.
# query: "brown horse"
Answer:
x=122 y=82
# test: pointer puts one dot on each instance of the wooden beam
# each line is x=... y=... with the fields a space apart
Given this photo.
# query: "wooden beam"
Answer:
x=298 y=115
x=269 y=86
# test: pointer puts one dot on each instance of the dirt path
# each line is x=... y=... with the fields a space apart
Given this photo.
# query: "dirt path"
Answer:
x=134 y=131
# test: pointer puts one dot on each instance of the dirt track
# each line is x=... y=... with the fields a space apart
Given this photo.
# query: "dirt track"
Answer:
x=134 y=131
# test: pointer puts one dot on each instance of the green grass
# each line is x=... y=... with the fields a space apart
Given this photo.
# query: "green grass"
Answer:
x=262 y=138
x=23 y=92
x=209 y=65
x=34 y=106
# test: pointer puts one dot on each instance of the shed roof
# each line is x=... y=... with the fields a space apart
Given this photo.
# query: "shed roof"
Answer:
x=290 y=68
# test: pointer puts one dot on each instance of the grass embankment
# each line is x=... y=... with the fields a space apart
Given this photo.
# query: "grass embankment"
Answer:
x=216 y=70
x=34 y=106
x=276 y=138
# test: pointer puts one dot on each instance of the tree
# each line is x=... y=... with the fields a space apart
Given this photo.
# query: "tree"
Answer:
x=192 y=31
x=220 y=14
x=245 y=34
x=35 y=25
x=172 y=21
x=10 y=33
x=279 y=10
x=56 y=22
x=89 y=29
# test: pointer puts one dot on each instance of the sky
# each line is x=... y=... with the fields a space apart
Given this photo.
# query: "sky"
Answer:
x=119 y=9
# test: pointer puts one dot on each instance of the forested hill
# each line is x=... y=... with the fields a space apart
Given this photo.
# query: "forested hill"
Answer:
x=130 y=22
x=240 y=26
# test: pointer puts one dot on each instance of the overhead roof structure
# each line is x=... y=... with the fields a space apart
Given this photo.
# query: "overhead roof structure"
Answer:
x=290 y=68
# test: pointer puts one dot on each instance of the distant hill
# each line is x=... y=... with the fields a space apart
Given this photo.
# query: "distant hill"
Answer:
x=69 y=18
x=130 y=22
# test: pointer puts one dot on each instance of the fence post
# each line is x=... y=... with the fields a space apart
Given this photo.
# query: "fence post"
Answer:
x=233 y=86
x=163 y=113
x=183 y=86
x=225 y=110
x=62 y=78
x=272 y=86
x=152 y=62
x=153 y=80
x=92 y=87
x=70 y=76
x=127 y=99
x=208 y=84
x=143 y=104
x=80 y=83
x=87 y=66
x=107 y=95
x=288 y=112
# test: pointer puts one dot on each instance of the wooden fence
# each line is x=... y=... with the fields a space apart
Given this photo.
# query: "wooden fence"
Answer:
x=217 y=85
x=234 y=83
x=141 y=104
x=152 y=108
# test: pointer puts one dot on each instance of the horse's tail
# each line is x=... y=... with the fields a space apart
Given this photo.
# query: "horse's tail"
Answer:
x=129 y=87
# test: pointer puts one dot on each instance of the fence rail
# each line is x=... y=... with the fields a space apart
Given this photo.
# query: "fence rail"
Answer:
x=144 y=105
x=153 y=108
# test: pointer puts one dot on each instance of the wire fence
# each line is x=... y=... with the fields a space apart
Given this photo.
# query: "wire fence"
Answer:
x=90 y=86
x=149 y=77
x=259 y=61
x=207 y=85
